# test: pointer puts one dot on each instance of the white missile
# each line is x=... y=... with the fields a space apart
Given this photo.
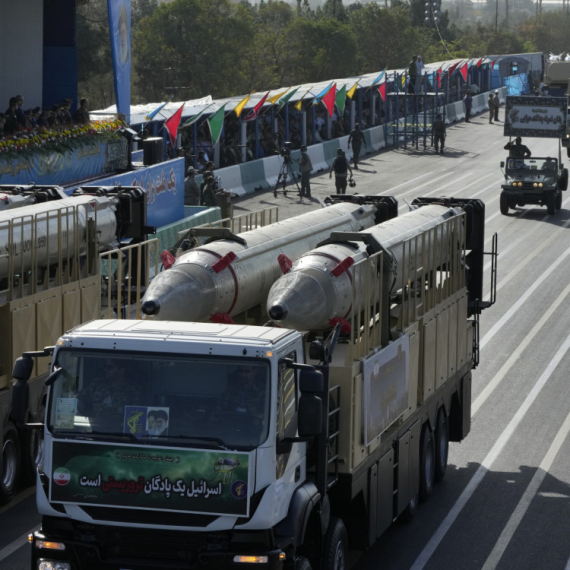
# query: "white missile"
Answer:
x=229 y=276
x=318 y=291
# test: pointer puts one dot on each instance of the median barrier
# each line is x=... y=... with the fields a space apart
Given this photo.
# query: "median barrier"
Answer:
x=253 y=176
x=450 y=114
x=330 y=148
x=317 y=155
x=272 y=167
x=459 y=110
x=230 y=179
x=377 y=139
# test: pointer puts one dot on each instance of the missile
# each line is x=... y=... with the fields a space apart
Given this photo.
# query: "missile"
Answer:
x=234 y=274
x=318 y=290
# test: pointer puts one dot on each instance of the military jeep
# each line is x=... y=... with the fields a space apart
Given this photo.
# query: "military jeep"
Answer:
x=533 y=181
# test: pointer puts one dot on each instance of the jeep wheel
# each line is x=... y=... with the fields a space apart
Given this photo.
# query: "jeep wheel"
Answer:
x=551 y=203
x=504 y=204
x=558 y=200
x=563 y=182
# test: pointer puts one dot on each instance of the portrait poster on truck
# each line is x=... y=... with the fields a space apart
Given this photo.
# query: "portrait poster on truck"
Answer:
x=385 y=387
x=543 y=117
x=194 y=481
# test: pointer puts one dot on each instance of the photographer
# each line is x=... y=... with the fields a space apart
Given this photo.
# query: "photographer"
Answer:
x=340 y=166
x=305 y=167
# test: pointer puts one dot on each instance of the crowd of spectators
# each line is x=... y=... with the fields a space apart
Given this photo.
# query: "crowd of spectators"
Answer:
x=16 y=119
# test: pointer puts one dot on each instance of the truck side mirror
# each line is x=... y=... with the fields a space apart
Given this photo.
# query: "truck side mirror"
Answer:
x=20 y=401
x=310 y=415
x=502 y=164
x=23 y=368
x=311 y=381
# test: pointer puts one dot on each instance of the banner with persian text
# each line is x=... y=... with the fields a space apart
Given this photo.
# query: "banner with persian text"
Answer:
x=543 y=117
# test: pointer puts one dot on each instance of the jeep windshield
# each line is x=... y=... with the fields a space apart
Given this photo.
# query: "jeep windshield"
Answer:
x=534 y=165
x=161 y=399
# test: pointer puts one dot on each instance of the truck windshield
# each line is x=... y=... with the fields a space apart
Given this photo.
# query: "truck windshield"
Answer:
x=535 y=164
x=161 y=399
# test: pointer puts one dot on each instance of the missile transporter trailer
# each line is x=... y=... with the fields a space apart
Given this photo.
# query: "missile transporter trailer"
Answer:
x=50 y=281
x=534 y=180
x=175 y=444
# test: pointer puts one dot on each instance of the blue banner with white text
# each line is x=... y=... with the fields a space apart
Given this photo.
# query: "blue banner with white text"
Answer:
x=120 y=26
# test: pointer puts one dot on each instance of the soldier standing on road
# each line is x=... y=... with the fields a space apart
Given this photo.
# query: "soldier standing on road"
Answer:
x=340 y=166
x=191 y=190
x=468 y=102
x=356 y=137
x=517 y=149
x=496 y=105
x=413 y=73
x=305 y=167
x=438 y=129
x=207 y=191
x=491 y=103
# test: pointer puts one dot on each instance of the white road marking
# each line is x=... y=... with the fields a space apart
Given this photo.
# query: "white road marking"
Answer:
x=471 y=487
x=490 y=387
x=516 y=306
x=408 y=182
x=521 y=509
x=16 y=544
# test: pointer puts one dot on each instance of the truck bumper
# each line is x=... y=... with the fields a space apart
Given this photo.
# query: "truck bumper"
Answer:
x=526 y=197
x=113 y=548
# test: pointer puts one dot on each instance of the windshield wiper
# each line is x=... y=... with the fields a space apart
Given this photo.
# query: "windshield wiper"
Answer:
x=130 y=436
x=217 y=440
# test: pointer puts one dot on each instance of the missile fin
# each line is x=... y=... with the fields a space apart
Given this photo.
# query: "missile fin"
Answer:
x=220 y=265
x=167 y=259
x=222 y=318
x=343 y=266
x=344 y=325
x=285 y=263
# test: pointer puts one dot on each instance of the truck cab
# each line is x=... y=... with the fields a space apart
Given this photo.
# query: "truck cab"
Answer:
x=533 y=181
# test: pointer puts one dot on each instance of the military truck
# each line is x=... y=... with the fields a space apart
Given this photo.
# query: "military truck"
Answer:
x=178 y=444
x=539 y=181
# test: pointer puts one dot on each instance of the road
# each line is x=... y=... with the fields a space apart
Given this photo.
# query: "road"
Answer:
x=504 y=502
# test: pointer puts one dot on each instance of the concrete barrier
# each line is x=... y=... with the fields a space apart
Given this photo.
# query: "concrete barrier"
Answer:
x=317 y=154
x=459 y=110
x=272 y=166
x=253 y=176
x=230 y=179
x=377 y=139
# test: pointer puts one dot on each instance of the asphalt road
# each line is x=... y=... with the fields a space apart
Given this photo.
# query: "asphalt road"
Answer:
x=504 y=502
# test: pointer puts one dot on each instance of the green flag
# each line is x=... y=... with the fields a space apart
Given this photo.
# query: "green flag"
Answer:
x=216 y=122
x=194 y=118
x=285 y=99
x=340 y=100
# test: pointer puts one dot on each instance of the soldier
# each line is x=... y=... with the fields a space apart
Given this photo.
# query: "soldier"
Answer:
x=82 y=114
x=468 y=102
x=357 y=138
x=340 y=166
x=491 y=103
x=517 y=149
x=496 y=105
x=438 y=130
x=208 y=196
x=305 y=167
x=245 y=392
x=191 y=190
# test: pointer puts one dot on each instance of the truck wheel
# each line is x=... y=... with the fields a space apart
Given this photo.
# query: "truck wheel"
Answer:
x=558 y=200
x=335 y=551
x=33 y=451
x=563 y=182
x=550 y=204
x=427 y=462
x=10 y=464
x=504 y=204
x=441 y=444
x=303 y=563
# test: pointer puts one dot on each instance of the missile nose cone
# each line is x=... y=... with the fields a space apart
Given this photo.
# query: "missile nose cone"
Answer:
x=278 y=312
x=150 y=307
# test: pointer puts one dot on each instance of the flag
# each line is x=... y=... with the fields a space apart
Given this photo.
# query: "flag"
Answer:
x=255 y=111
x=451 y=69
x=318 y=98
x=194 y=118
x=403 y=80
x=480 y=62
x=350 y=93
x=382 y=90
x=463 y=71
x=171 y=124
x=275 y=98
x=285 y=99
x=379 y=78
x=438 y=74
x=216 y=122
x=299 y=103
x=239 y=107
x=329 y=98
x=340 y=99
x=153 y=114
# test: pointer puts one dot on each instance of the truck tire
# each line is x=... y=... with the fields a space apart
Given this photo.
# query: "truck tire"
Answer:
x=563 y=182
x=335 y=551
x=33 y=451
x=441 y=445
x=558 y=200
x=10 y=464
x=504 y=204
x=302 y=563
x=427 y=462
x=551 y=203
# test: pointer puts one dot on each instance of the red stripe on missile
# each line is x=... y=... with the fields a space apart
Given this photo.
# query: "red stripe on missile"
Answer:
x=285 y=263
x=224 y=262
x=344 y=326
x=222 y=318
x=343 y=266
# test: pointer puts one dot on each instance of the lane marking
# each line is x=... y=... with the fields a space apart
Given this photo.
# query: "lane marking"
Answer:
x=490 y=387
x=471 y=487
x=16 y=544
x=514 y=308
x=529 y=494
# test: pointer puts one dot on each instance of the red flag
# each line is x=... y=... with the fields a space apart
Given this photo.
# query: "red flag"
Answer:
x=254 y=113
x=171 y=124
x=480 y=62
x=452 y=68
x=439 y=74
x=382 y=91
x=329 y=98
x=463 y=71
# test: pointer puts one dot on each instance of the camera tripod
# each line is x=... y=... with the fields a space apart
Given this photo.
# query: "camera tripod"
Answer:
x=286 y=170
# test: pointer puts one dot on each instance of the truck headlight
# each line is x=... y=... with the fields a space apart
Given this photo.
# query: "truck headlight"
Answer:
x=540 y=184
x=53 y=565
x=535 y=184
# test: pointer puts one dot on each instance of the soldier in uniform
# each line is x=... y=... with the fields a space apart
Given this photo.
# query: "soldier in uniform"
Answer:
x=245 y=392
x=340 y=166
x=438 y=129
x=518 y=149
x=207 y=191
x=491 y=104
x=356 y=137
x=82 y=114
x=497 y=104
x=305 y=167
x=191 y=190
